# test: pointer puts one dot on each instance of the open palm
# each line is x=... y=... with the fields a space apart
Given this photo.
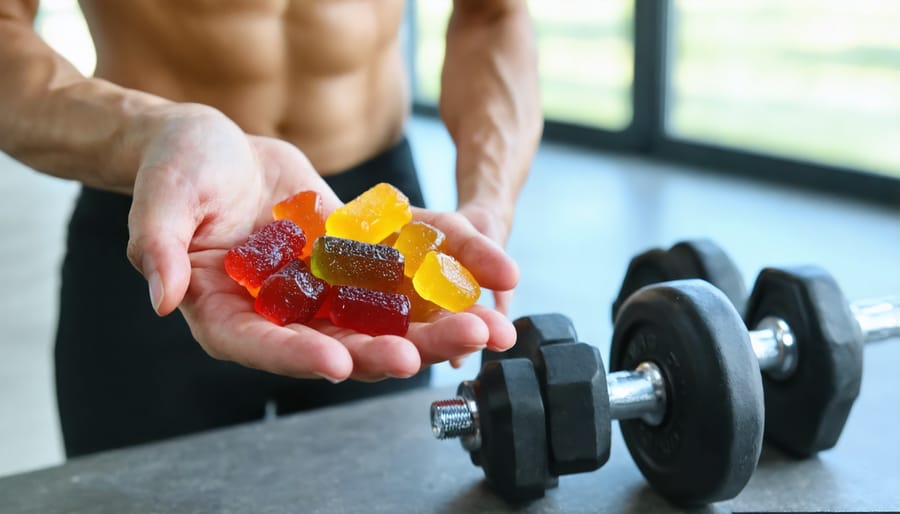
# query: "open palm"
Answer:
x=206 y=187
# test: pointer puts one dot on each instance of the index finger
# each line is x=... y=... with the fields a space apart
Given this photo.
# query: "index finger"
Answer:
x=492 y=267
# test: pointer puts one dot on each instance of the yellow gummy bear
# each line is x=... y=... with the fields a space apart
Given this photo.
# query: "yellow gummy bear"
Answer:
x=415 y=240
x=442 y=280
x=371 y=216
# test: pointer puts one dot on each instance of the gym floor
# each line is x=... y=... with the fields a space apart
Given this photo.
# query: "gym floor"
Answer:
x=603 y=208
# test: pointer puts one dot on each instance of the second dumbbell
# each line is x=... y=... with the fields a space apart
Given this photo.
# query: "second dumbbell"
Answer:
x=807 y=337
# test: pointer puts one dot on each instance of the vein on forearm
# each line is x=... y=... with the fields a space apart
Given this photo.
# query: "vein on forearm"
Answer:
x=489 y=98
x=59 y=122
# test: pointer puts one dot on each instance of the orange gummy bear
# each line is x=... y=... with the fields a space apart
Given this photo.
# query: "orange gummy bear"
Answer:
x=371 y=216
x=442 y=280
x=415 y=240
x=305 y=210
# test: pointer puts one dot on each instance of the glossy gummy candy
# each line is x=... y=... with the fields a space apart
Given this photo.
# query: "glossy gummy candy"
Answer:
x=352 y=263
x=415 y=240
x=370 y=312
x=371 y=216
x=266 y=250
x=367 y=267
x=441 y=279
x=291 y=295
x=420 y=309
x=305 y=210
x=391 y=239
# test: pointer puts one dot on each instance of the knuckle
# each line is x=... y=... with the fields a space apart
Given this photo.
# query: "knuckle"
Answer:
x=135 y=253
x=451 y=219
x=458 y=218
x=212 y=350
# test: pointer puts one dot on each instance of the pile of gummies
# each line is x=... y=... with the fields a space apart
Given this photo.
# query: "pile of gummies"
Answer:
x=367 y=266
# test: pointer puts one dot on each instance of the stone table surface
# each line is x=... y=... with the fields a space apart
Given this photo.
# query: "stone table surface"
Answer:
x=380 y=456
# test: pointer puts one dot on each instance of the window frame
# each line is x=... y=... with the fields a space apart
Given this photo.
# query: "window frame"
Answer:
x=646 y=134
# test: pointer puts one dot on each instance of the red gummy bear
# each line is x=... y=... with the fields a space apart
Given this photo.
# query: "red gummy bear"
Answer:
x=291 y=295
x=266 y=250
x=324 y=311
x=369 y=311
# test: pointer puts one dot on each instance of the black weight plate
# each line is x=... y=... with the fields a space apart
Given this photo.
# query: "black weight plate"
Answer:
x=576 y=404
x=532 y=332
x=806 y=412
x=513 y=449
x=695 y=258
x=650 y=267
x=708 y=444
x=704 y=259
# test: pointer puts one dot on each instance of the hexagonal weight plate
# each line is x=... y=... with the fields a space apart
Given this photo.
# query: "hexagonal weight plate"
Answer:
x=513 y=449
x=806 y=412
x=532 y=332
x=576 y=403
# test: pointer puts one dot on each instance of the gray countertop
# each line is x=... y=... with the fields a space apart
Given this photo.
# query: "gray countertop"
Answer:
x=379 y=456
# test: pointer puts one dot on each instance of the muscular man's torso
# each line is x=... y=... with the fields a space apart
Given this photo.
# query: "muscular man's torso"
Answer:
x=326 y=75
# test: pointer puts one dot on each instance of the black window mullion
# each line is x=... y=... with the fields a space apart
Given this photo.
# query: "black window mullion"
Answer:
x=649 y=86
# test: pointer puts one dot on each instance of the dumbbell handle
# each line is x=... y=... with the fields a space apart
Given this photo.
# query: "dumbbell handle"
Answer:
x=775 y=347
x=637 y=394
x=878 y=318
x=640 y=393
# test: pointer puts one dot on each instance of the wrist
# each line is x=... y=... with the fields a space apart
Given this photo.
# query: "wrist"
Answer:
x=488 y=174
x=492 y=218
x=149 y=134
x=494 y=156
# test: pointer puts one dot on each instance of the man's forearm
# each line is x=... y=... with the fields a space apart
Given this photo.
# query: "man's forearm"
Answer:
x=490 y=101
x=59 y=122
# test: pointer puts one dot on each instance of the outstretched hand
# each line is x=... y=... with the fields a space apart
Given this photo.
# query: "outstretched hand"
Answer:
x=204 y=186
x=496 y=229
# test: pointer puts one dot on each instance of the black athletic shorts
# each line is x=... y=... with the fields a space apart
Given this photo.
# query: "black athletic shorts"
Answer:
x=126 y=376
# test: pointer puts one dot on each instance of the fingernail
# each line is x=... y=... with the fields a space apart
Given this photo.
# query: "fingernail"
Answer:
x=330 y=379
x=156 y=290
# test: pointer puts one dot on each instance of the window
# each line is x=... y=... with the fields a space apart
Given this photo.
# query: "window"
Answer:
x=585 y=54
x=804 y=92
x=815 y=80
x=61 y=25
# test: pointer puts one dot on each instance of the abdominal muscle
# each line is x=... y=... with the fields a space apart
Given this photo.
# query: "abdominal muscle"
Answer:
x=326 y=75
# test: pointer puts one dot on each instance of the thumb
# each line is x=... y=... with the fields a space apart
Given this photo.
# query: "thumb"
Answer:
x=161 y=225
